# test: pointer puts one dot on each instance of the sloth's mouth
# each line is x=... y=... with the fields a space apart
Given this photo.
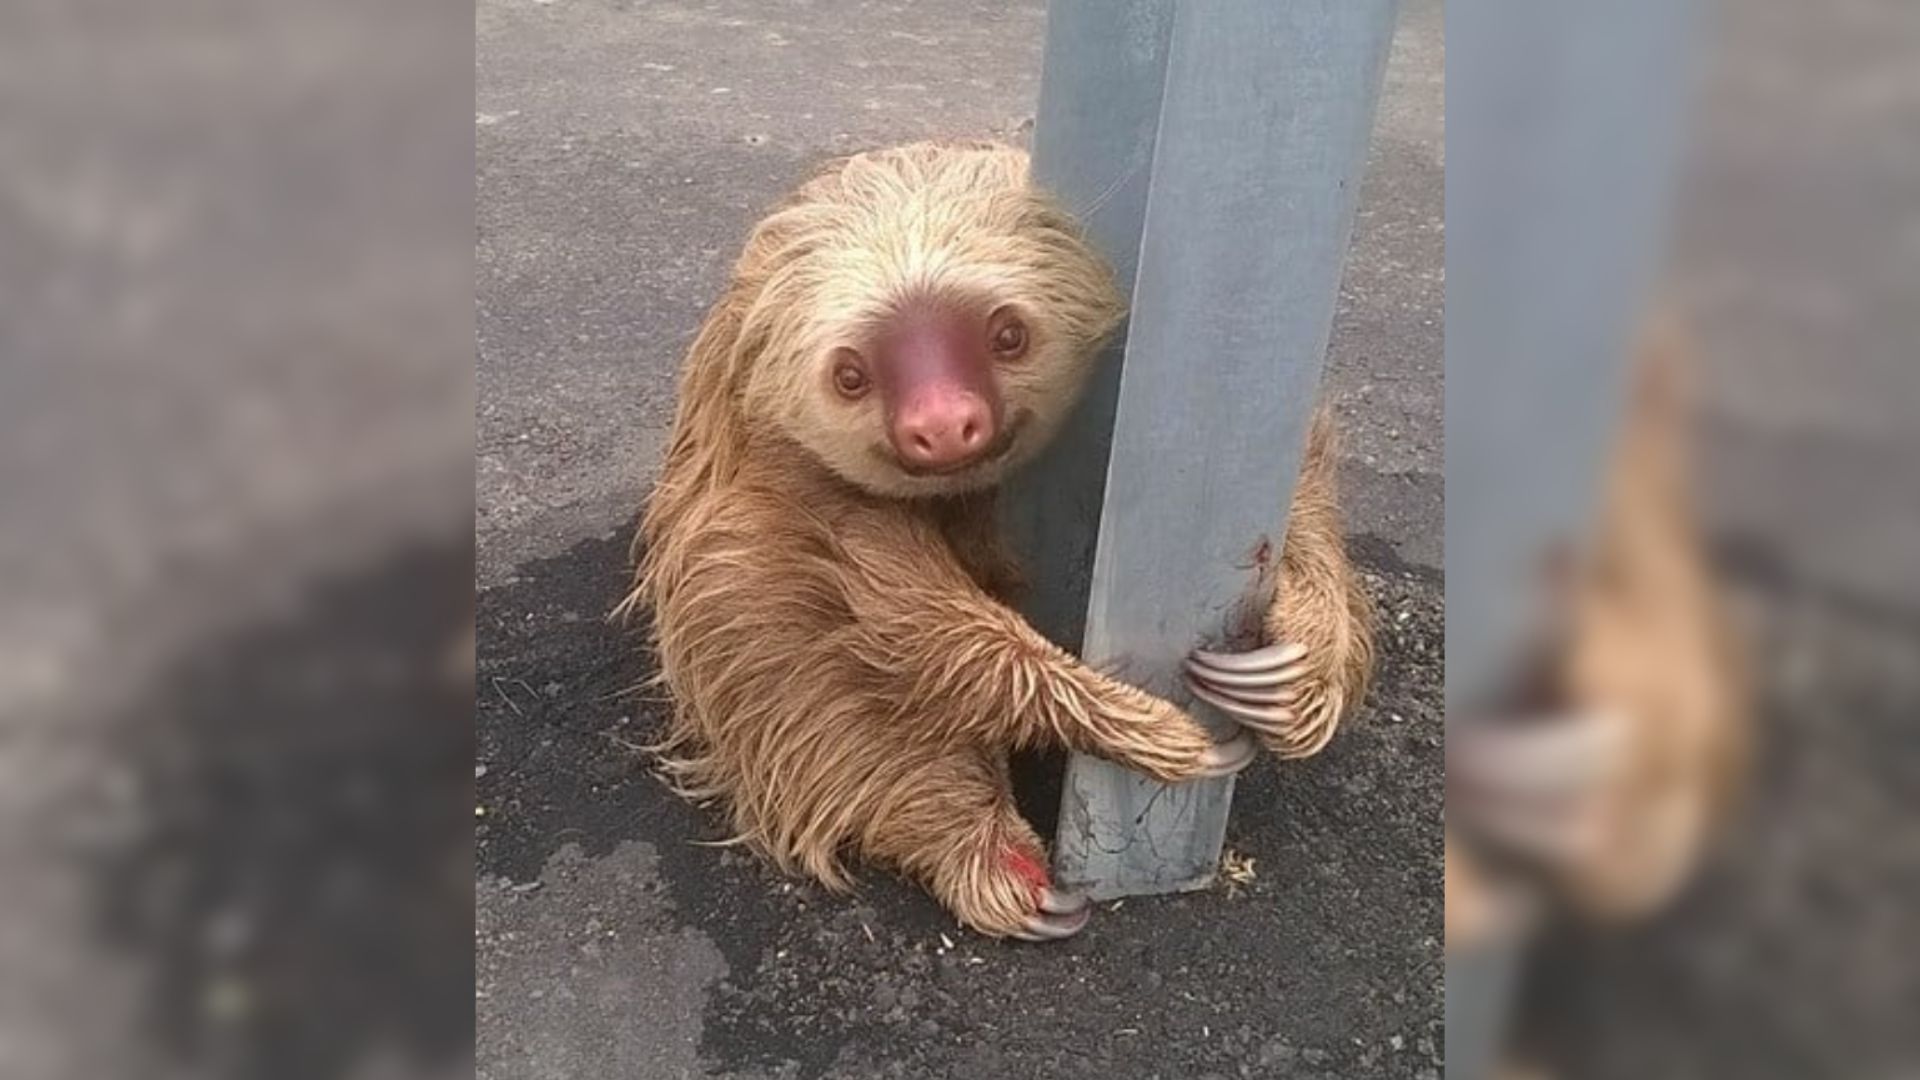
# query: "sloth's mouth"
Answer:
x=996 y=450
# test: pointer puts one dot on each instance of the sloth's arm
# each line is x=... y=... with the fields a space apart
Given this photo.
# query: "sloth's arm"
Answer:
x=961 y=665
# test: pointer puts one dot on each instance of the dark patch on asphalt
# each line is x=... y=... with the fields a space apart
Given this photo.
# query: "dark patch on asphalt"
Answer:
x=1395 y=519
x=1760 y=562
x=287 y=852
x=1378 y=553
x=1326 y=963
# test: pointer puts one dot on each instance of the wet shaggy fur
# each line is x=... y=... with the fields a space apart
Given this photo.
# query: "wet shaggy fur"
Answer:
x=846 y=673
x=1320 y=603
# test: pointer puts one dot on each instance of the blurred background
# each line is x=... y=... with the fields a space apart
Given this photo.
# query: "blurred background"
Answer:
x=235 y=538
x=1791 y=264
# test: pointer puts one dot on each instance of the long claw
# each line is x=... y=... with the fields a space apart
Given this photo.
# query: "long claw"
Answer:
x=1255 y=697
x=1056 y=902
x=1271 y=719
x=1552 y=757
x=1553 y=831
x=1258 y=678
x=1533 y=785
x=1266 y=659
x=1042 y=926
x=1227 y=758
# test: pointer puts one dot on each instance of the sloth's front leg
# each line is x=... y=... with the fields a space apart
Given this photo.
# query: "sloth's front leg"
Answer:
x=1294 y=692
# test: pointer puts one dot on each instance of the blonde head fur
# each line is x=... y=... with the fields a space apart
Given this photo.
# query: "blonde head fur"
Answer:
x=929 y=223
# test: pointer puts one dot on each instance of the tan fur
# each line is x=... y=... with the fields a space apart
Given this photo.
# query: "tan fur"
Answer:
x=1473 y=914
x=1652 y=648
x=1320 y=602
x=845 y=672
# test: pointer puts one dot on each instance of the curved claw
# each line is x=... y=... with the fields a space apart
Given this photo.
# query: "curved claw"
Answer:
x=1255 y=697
x=1555 y=756
x=1535 y=786
x=1057 y=902
x=1256 y=679
x=1271 y=719
x=1270 y=658
x=1556 y=832
x=1044 y=926
x=1229 y=757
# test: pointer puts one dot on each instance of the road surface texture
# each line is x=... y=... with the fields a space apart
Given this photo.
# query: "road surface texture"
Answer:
x=623 y=150
x=235 y=444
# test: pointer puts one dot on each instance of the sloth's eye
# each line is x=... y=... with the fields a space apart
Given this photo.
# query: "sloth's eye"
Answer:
x=1011 y=339
x=849 y=379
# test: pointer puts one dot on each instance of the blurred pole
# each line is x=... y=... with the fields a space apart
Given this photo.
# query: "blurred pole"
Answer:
x=1215 y=151
x=1563 y=127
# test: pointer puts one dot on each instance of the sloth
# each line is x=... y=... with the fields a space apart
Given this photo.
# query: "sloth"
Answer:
x=831 y=600
x=1632 y=752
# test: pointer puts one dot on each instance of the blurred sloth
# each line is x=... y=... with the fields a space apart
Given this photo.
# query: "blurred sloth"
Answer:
x=1609 y=799
x=830 y=595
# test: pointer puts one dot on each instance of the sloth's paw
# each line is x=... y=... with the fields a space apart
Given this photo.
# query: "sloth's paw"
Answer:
x=1229 y=757
x=1166 y=743
x=1056 y=914
x=1290 y=695
x=1012 y=896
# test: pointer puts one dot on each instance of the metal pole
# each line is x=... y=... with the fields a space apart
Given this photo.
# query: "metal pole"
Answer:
x=1563 y=124
x=1251 y=173
x=1094 y=135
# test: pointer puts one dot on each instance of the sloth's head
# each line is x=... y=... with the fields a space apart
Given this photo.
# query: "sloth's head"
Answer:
x=920 y=319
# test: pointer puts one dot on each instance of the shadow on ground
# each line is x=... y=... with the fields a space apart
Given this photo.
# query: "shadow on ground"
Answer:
x=1326 y=963
x=286 y=851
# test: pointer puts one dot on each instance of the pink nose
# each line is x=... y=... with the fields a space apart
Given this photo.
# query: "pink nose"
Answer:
x=943 y=430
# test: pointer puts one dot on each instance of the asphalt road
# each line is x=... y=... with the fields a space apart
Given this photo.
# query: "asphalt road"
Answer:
x=235 y=449
x=623 y=149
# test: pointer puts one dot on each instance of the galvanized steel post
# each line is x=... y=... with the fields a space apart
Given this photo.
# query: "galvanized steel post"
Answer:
x=1215 y=152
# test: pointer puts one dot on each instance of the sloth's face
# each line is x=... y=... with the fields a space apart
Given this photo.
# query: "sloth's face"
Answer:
x=940 y=320
x=941 y=395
